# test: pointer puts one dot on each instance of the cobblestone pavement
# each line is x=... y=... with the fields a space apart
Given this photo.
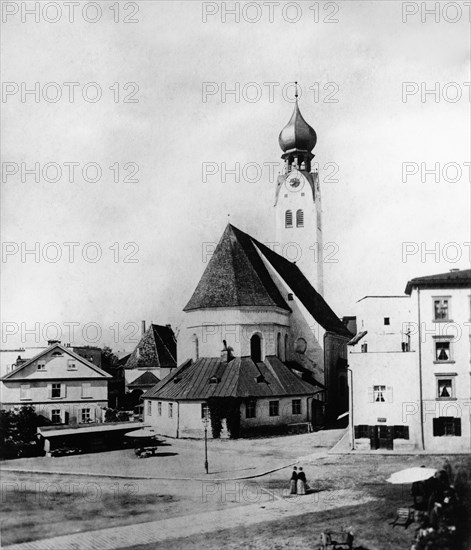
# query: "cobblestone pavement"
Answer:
x=195 y=524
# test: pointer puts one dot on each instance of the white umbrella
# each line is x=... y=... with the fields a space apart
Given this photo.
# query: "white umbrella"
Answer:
x=411 y=475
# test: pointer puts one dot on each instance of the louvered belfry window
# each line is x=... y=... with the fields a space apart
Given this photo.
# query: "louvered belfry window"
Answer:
x=299 y=218
x=288 y=218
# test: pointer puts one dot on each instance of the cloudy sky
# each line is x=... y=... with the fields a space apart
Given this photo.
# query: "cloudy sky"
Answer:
x=164 y=111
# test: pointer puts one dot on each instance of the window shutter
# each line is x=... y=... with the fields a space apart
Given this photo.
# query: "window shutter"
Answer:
x=49 y=391
x=92 y=414
x=370 y=394
x=63 y=390
x=457 y=422
x=436 y=427
x=389 y=394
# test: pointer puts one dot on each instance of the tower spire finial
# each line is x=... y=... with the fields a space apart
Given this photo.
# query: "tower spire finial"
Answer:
x=296 y=95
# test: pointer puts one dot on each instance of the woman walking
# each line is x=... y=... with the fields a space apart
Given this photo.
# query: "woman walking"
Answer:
x=301 y=482
x=292 y=482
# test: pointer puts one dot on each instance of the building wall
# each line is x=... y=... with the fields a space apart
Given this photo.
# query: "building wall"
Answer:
x=80 y=388
x=187 y=416
x=209 y=327
x=371 y=312
x=398 y=373
x=454 y=330
x=301 y=244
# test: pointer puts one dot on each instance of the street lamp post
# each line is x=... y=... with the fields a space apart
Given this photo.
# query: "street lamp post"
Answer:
x=205 y=421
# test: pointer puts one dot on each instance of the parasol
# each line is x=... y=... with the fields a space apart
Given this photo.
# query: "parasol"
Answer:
x=411 y=475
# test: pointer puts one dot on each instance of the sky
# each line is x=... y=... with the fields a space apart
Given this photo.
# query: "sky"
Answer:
x=168 y=126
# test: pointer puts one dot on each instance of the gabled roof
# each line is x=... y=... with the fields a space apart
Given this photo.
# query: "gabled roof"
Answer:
x=157 y=348
x=235 y=276
x=453 y=279
x=146 y=379
x=64 y=349
x=210 y=377
x=304 y=291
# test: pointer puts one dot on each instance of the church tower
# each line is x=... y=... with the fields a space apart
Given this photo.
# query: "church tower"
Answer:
x=298 y=213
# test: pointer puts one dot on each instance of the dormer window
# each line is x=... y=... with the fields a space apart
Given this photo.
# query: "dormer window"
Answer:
x=260 y=378
x=57 y=354
x=214 y=380
x=42 y=365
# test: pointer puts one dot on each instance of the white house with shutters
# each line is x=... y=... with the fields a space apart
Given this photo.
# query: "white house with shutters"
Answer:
x=410 y=366
x=60 y=384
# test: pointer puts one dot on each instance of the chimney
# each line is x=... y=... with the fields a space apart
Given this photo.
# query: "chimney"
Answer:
x=143 y=327
x=51 y=342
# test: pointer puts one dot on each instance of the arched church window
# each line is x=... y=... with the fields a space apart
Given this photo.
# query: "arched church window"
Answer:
x=256 y=348
x=286 y=347
x=288 y=218
x=299 y=218
x=278 y=346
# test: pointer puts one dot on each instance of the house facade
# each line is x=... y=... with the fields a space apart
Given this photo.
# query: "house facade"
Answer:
x=409 y=368
x=61 y=385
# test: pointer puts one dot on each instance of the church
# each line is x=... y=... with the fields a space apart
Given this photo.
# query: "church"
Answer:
x=260 y=350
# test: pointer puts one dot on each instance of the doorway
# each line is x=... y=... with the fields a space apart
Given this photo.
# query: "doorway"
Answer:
x=381 y=437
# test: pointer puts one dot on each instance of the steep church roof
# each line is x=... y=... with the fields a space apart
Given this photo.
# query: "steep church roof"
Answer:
x=210 y=377
x=235 y=276
x=157 y=348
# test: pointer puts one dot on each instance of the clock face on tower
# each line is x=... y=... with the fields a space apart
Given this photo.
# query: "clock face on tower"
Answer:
x=295 y=182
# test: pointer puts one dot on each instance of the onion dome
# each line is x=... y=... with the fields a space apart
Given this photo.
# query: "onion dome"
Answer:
x=297 y=134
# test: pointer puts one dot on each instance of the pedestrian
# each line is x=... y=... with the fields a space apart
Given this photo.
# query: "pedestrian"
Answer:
x=301 y=483
x=292 y=482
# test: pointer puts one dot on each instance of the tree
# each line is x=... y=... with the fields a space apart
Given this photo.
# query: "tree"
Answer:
x=18 y=428
x=116 y=386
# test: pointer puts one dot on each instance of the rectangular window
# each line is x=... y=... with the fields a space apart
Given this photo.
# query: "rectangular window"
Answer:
x=159 y=408
x=364 y=348
x=250 y=409
x=401 y=432
x=85 y=416
x=42 y=366
x=274 y=407
x=441 y=309
x=296 y=406
x=446 y=426
x=71 y=364
x=170 y=410
x=25 y=391
x=86 y=390
x=387 y=321
x=204 y=410
x=149 y=408
x=56 y=416
x=379 y=394
x=442 y=351
x=445 y=388
x=56 y=391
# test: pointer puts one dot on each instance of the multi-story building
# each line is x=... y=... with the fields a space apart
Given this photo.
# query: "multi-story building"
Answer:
x=60 y=384
x=409 y=366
